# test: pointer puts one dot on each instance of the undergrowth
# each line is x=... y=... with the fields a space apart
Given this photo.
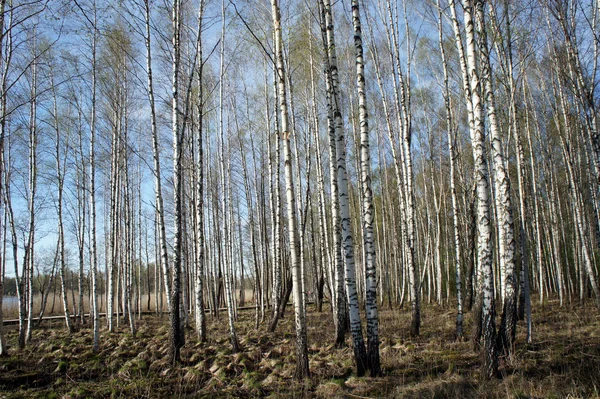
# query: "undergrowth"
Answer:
x=563 y=361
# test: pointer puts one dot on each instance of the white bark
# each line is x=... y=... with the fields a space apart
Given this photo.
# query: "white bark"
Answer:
x=93 y=238
x=176 y=333
x=324 y=245
x=578 y=204
x=360 y=354
x=302 y=370
x=506 y=240
x=453 y=193
x=337 y=282
x=402 y=94
x=4 y=63
x=199 y=190
x=28 y=261
x=225 y=199
x=484 y=237
x=367 y=202
x=274 y=189
x=162 y=241
x=60 y=179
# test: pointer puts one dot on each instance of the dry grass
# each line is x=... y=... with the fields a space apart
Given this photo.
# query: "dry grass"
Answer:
x=11 y=310
x=563 y=362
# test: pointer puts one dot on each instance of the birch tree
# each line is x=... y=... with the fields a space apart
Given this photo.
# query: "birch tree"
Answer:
x=176 y=334
x=4 y=64
x=159 y=203
x=302 y=370
x=60 y=180
x=367 y=201
x=507 y=245
x=333 y=119
x=199 y=189
x=29 y=249
x=402 y=97
x=453 y=154
x=339 y=173
x=92 y=193
x=225 y=200
x=473 y=89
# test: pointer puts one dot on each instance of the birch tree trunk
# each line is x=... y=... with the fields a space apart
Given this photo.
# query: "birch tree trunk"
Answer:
x=82 y=217
x=337 y=282
x=302 y=370
x=28 y=261
x=523 y=242
x=484 y=241
x=373 y=361
x=60 y=179
x=258 y=290
x=114 y=214
x=276 y=214
x=19 y=279
x=360 y=354
x=226 y=200
x=3 y=231
x=176 y=332
x=324 y=246
x=484 y=237
x=162 y=240
x=578 y=204
x=402 y=95
x=453 y=155
x=92 y=198
x=507 y=246
x=4 y=64
x=199 y=179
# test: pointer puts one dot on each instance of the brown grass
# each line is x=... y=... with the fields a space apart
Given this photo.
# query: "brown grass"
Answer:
x=11 y=311
x=563 y=362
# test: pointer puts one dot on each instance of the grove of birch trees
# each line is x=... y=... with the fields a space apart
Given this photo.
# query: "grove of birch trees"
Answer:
x=195 y=158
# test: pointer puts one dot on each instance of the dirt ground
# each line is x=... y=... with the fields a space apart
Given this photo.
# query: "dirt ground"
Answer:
x=563 y=361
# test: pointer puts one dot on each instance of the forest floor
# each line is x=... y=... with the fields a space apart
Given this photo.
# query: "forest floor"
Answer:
x=563 y=361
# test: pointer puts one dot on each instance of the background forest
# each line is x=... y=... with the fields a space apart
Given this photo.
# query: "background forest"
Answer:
x=203 y=158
